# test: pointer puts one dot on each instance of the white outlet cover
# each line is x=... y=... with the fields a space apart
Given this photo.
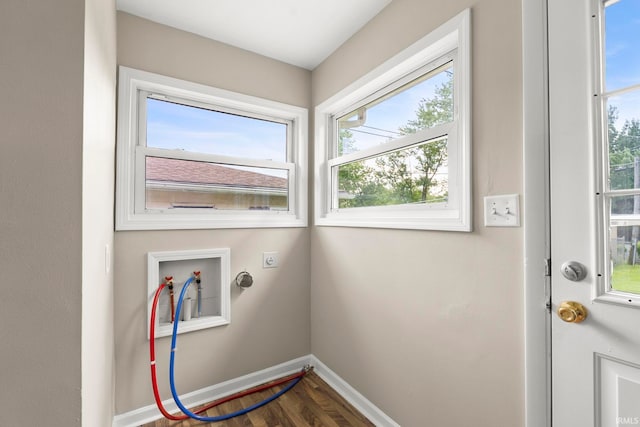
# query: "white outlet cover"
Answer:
x=502 y=211
x=269 y=259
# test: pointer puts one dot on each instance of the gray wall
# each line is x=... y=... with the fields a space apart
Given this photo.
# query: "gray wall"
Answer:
x=270 y=321
x=41 y=137
x=428 y=325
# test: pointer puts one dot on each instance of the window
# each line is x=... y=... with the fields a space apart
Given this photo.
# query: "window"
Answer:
x=617 y=106
x=393 y=148
x=192 y=156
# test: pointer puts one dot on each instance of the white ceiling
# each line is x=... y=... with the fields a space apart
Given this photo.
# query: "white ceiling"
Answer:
x=299 y=32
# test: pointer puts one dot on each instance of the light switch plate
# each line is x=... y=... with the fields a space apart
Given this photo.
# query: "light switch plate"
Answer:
x=502 y=211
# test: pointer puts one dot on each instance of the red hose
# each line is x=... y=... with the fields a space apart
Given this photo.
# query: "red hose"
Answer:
x=154 y=382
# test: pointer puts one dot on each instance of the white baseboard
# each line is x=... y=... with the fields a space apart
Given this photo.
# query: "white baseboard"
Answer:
x=151 y=413
x=351 y=395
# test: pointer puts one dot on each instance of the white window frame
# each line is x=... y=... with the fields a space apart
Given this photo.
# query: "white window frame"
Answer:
x=450 y=41
x=131 y=212
x=603 y=291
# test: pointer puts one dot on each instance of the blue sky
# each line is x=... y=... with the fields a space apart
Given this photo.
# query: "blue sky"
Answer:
x=622 y=55
x=386 y=117
x=178 y=127
x=395 y=112
x=173 y=126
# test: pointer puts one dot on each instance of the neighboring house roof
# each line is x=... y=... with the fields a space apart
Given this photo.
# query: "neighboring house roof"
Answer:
x=174 y=171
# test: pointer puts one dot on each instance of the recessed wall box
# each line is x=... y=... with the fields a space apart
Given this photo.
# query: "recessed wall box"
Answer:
x=210 y=307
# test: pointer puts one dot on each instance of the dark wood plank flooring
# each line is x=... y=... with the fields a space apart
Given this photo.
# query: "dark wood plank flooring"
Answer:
x=310 y=403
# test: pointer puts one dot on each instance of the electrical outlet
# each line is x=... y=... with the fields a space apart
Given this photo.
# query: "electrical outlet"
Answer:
x=269 y=259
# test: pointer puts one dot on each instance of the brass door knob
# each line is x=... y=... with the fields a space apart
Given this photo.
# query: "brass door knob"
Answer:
x=572 y=312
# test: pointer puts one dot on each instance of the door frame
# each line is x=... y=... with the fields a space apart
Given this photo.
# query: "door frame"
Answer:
x=536 y=214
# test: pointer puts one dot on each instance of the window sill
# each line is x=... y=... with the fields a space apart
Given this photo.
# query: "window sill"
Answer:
x=219 y=220
x=450 y=220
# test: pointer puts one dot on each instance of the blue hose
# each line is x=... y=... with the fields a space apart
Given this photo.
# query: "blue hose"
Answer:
x=176 y=398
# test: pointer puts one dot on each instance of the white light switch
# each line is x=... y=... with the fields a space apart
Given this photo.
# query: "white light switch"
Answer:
x=502 y=211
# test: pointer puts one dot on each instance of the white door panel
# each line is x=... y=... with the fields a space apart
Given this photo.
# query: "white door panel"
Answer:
x=595 y=367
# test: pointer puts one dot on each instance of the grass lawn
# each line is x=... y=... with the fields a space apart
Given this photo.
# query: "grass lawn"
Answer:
x=626 y=278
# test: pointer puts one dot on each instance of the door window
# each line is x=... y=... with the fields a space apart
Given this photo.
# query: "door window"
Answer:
x=619 y=109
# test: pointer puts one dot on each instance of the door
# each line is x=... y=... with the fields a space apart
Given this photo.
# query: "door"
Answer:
x=594 y=108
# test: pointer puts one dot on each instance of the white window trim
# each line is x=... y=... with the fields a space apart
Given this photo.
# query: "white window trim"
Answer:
x=131 y=82
x=603 y=291
x=453 y=36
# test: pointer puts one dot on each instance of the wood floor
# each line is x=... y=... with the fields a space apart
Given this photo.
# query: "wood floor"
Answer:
x=310 y=403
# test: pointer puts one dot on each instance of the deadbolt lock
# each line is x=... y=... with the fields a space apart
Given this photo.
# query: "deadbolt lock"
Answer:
x=573 y=271
x=572 y=312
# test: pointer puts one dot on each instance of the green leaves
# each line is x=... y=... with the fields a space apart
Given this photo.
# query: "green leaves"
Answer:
x=406 y=176
x=624 y=146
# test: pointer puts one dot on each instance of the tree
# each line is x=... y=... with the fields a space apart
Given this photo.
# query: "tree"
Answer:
x=406 y=176
x=436 y=111
x=429 y=157
x=393 y=172
x=624 y=159
x=357 y=184
x=624 y=146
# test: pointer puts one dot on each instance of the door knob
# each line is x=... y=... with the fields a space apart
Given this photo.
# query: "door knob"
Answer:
x=572 y=312
x=573 y=271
